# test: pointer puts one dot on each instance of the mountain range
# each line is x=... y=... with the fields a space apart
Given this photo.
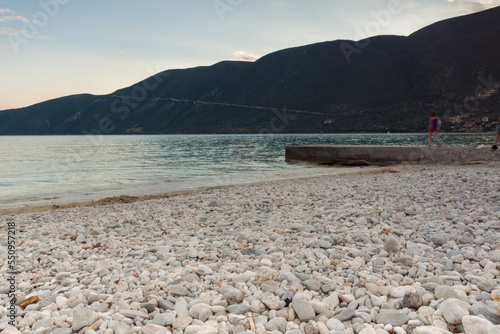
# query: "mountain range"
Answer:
x=380 y=84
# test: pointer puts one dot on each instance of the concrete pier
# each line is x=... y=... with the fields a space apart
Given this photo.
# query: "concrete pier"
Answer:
x=358 y=155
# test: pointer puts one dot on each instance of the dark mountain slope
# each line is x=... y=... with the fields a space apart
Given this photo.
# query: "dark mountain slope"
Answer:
x=388 y=83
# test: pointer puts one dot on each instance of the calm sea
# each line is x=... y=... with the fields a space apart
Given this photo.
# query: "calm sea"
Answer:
x=40 y=170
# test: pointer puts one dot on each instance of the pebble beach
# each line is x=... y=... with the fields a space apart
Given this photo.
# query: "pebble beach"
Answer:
x=405 y=249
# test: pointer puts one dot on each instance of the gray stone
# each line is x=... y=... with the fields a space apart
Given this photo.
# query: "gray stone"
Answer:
x=134 y=313
x=445 y=292
x=178 y=290
x=277 y=323
x=323 y=244
x=489 y=313
x=45 y=323
x=233 y=297
x=437 y=239
x=453 y=310
x=269 y=285
x=62 y=331
x=345 y=315
x=476 y=325
x=394 y=318
x=166 y=305
x=83 y=317
x=181 y=308
x=238 y=308
x=392 y=244
x=121 y=328
x=465 y=238
x=303 y=309
x=303 y=277
x=313 y=284
x=201 y=311
x=327 y=288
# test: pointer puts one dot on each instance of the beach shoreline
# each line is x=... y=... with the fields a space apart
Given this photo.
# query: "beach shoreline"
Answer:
x=129 y=198
x=402 y=249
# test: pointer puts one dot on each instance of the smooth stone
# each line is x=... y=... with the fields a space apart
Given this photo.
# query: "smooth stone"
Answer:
x=277 y=323
x=392 y=244
x=476 y=325
x=178 y=290
x=367 y=330
x=166 y=305
x=233 y=297
x=345 y=315
x=332 y=301
x=430 y=330
x=181 y=308
x=134 y=313
x=203 y=270
x=335 y=324
x=394 y=318
x=303 y=309
x=238 y=308
x=453 y=310
x=269 y=285
x=159 y=319
x=481 y=309
x=180 y=323
x=61 y=331
x=121 y=328
x=312 y=284
x=83 y=317
x=323 y=244
x=445 y=292
x=152 y=329
x=201 y=311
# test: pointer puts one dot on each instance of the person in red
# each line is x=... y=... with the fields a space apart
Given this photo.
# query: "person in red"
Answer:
x=434 y=123
x=498 y=136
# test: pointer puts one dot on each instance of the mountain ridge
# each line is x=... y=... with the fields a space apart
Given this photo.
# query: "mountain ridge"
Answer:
x=391 y=84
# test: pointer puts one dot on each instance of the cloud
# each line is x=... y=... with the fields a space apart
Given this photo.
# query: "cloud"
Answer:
x=6 y=11
x=25 y=33
x=243 y=56
x=475 y=6
x=11 y=31
x=13 y=18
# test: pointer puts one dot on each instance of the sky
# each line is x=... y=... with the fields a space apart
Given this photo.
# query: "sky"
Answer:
x=54 y=48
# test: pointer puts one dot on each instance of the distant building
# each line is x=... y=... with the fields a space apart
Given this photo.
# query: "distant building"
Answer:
x=485 y=120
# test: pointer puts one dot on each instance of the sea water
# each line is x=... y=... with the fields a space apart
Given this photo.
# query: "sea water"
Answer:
x=41 y=170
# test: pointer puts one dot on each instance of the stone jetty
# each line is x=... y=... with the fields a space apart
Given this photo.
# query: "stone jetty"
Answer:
x=386 y=155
